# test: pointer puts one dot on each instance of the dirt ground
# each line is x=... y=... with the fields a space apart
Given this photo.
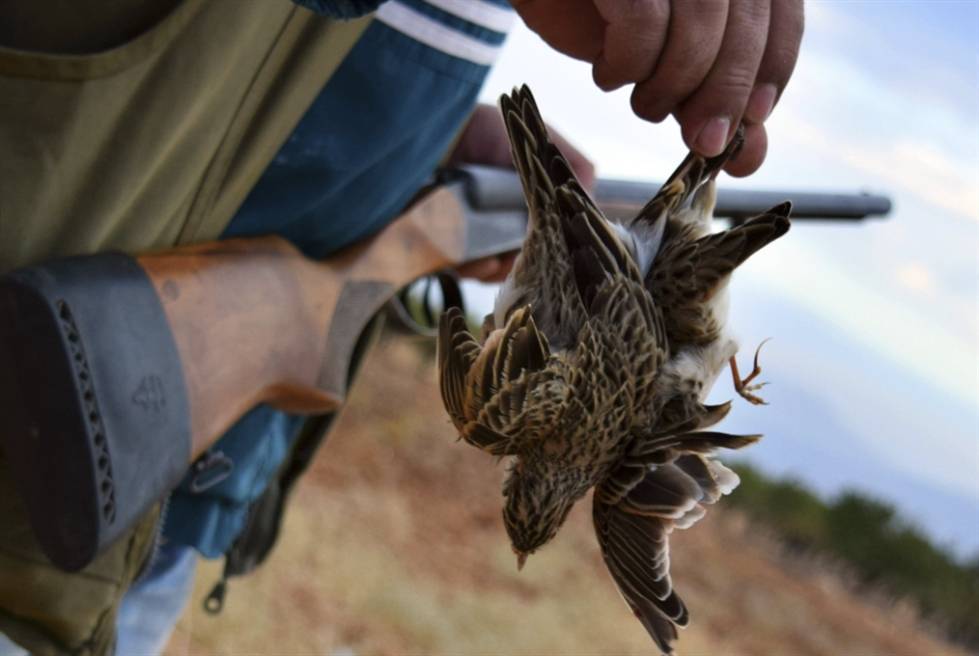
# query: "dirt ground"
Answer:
x=394 y=545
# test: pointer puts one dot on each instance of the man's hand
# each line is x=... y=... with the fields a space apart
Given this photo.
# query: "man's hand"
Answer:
x=710 y=63
x=484 y=141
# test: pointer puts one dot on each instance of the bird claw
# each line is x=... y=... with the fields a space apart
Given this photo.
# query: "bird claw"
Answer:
x=741 y=385
x=751 y=398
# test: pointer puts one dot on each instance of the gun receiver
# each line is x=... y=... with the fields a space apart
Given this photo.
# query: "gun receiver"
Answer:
x=118 y=371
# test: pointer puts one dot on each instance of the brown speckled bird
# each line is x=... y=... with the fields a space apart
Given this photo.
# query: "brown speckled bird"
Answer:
x=568 y=379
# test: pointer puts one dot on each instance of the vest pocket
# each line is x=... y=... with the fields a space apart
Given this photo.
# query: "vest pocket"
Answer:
x=39 y=47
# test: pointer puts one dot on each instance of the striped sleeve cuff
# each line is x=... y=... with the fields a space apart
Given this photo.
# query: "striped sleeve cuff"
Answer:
x=472 y=30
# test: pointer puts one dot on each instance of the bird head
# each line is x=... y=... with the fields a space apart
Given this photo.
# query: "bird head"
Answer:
x=537 y=503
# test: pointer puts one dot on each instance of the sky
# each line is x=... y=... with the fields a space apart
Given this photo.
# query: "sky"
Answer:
x=875 y=325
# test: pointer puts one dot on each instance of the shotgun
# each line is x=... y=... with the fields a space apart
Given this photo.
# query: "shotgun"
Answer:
x=118 y=371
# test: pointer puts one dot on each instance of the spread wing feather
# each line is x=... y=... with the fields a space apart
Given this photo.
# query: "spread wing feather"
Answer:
x=457 y=351
x=542 y=276
x=687 y=271
x=487 y=389
x=651 y=449
x=634 y=511
x=532 y=148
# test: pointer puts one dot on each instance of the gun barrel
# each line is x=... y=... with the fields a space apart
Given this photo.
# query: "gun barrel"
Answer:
x=495 y=190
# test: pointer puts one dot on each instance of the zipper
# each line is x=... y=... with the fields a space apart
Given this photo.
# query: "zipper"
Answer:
x=157 y=543
x=212 y=467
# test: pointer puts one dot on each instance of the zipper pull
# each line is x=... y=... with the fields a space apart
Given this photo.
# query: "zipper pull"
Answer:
x=209 y=470
x=214 y=602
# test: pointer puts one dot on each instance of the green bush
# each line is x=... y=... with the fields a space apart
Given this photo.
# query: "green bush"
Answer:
x=869 y=535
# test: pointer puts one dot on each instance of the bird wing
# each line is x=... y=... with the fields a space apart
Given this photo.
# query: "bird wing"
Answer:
x=640 y=504
x=662 y=448
x=540 y=164
x=503 y=393
x=685 y=413
x=686 y=273
x=541 y=274
x=633 y=512
x=457 y=351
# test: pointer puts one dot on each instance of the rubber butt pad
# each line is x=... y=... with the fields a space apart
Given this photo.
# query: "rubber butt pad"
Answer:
x=96 y=425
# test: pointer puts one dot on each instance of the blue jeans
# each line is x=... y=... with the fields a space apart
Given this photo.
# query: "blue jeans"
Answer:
x=151 y=608
x=8 y=648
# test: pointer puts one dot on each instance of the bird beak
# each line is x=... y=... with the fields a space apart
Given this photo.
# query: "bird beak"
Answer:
x=521 y=559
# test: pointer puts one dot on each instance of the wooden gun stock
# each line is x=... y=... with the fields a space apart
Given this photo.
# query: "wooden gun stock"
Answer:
x=118 y=372
x=256 y=322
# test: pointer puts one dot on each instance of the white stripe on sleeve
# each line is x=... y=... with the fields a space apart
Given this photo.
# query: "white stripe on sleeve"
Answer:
x=434 y=34
x=484 y=14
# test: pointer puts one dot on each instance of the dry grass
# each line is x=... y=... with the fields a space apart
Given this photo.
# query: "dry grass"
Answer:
x=393 y=545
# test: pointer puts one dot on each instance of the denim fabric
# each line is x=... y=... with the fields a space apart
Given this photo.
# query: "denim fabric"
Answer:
x=151 y=608
x=10 y=648
x=369 y=141
x=211 y=520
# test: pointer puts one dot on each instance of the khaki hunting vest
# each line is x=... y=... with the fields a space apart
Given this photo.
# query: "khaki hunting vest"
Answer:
x=133 y=143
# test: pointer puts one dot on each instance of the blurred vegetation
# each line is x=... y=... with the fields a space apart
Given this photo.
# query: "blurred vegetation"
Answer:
x=884 y=550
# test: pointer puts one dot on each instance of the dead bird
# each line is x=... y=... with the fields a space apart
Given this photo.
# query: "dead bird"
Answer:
x=568 y=380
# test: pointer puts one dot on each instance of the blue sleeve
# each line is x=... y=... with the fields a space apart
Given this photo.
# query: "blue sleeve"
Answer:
x=375 y=133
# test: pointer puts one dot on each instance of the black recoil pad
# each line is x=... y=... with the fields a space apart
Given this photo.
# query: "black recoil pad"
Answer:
x=95 y=416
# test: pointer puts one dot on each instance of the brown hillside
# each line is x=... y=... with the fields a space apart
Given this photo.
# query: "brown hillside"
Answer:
x=394 y=545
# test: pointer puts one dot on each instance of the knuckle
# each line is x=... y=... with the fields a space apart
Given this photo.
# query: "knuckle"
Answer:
x=734 y=82
x=647 y=10
x=693 y=63
x=707 y=9
x=753 y=14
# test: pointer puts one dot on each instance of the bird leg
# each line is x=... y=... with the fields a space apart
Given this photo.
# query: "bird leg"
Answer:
x=741 y=385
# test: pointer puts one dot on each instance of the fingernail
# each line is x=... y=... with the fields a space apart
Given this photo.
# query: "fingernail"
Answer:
x=760 y=103
x=713 y=136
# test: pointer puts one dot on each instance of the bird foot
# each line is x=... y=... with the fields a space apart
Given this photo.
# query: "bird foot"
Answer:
x=741 y=385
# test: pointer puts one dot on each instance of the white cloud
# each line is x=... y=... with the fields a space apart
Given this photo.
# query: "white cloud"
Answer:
x=869 y=129
x=915 y=341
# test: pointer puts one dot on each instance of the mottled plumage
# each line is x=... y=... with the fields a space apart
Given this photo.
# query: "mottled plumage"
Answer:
x=592 y=367
x=688 y=281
